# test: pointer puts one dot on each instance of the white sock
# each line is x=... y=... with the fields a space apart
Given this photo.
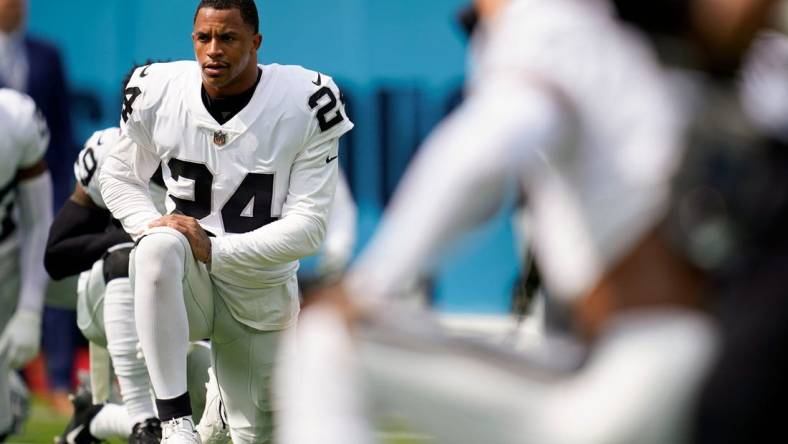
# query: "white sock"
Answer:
x=122 y=346
x=111 y=422
x=163 y=328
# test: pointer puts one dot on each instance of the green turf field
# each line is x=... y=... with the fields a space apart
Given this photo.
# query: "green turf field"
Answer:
x=44 y=425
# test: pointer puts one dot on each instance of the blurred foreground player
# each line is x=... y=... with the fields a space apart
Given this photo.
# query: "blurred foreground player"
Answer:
x=25 y=215
x=743 y=400
x=248 y=155
x=574 y=105
x=84 y=239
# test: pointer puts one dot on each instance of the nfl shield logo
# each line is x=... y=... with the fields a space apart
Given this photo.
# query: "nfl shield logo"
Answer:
x=219 y=138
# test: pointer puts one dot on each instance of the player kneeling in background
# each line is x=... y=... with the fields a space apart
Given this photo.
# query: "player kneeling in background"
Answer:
x=83 y=238
x=25 y=214
x=248 y=154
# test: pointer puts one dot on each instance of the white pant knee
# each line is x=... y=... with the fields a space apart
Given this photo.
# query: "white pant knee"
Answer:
x=158 y=271
x=161 y=255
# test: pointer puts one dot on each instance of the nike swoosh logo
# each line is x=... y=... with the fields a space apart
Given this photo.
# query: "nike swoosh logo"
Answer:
x=144 y=71
x=71 y=438
x=100 y=141
x=331 y=159
x=319 y=80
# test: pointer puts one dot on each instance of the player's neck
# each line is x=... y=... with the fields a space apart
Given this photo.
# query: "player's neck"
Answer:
x=226 y=107
x=248 y=79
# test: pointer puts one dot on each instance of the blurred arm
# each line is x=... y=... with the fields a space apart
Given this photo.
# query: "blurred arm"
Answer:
x=35 y=213
x=80 y=234
x=458 y=179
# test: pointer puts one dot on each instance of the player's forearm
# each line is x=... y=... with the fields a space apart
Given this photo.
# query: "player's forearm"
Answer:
x=419 y=225
x=458 y=180
x=127 y=196
x=288 y=239
x=35 y=205
x=130 y=204
x=78 y=253
x=341 y=230
x=301 y=230
x=78 y=237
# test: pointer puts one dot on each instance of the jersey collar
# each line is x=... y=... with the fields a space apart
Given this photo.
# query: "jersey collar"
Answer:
x=241 y=121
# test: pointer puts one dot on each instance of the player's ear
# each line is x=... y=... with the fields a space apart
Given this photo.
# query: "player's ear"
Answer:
x=257 y=40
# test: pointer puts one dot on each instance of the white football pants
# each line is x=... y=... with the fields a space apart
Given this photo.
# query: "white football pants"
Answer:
x=175 y=301
x=106 y=318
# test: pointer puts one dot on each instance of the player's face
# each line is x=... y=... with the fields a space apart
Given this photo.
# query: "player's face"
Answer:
x=226 y=49
x=12 y=13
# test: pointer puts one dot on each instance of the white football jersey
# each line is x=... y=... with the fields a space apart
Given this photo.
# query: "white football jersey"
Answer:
x=580 y=107
x=24 y=140
x=234 y=177
x=90 y=160
x=262 y=183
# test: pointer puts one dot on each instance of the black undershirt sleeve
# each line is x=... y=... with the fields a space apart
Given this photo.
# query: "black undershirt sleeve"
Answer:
x=78 y=237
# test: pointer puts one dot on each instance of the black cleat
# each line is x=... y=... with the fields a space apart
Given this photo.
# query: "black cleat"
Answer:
x=78 y=429
x=146 y=432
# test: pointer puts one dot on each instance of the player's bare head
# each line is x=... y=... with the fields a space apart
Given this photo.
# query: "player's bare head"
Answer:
x=247 y=8
x=226 y=39
x=12 y=15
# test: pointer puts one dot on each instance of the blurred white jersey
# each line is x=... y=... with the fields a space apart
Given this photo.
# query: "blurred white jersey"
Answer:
x=90 y=160
x=575 y=106
x=24 y=140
